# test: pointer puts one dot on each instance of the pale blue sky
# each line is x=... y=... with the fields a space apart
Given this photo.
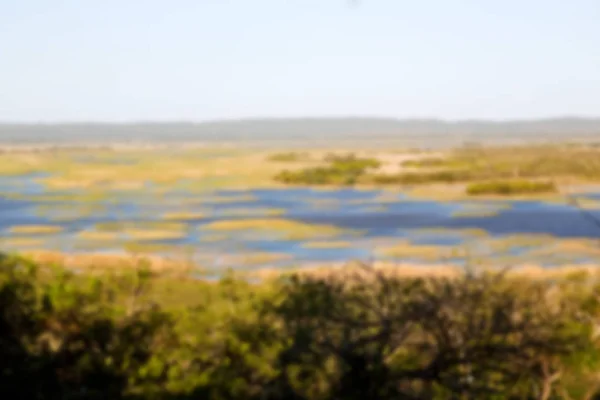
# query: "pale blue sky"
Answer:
x=125 y=60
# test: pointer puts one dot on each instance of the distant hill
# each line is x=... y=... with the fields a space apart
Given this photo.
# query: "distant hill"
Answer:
x=300 y=130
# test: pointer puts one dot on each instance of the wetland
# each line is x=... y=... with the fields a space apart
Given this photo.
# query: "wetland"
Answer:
x=253 y=209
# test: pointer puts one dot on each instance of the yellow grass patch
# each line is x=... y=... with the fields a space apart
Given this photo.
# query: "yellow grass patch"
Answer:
x=290 y=229
x=35 y=229
x=21 y=242
x=140 y=234
x=327 y=245
x=98 y=235
x=184 y=215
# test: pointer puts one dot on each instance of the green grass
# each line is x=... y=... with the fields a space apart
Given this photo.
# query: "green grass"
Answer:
x=340 y=170
x=512 y=187
x=289 y=157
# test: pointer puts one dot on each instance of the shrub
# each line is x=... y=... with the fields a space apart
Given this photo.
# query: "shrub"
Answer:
x=416 y=178
x=288 y=157
x=510 y=187
x=342 y=170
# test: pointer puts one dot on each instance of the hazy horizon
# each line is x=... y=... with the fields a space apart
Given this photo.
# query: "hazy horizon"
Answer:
x=190 y=61
x=424 y=119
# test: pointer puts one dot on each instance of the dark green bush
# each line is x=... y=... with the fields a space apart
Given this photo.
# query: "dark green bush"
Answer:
x=288 y=157
x=342 y=170
x=512 y=187
x=417 y=178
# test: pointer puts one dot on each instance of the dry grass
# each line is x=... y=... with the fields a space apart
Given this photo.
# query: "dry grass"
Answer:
x=327 y=245
x=288 y=228
x=184 y=215
x=35 y=229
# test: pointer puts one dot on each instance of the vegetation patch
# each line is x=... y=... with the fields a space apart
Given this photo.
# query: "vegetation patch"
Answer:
x=100 y=236
x=252 y=212
x=121 y=226
x=289 y=157
x=184 y=215
x=327 y=245
x=157 y=234
x=341 y=170
x=288 y=228
x=35 y=229
x=510 y=187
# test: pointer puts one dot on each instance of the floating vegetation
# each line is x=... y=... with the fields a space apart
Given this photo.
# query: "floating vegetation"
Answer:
x=289 y=229
x=327 y=245
x=99 y=235
x=214 y=237
x=480 y=210
x=184 y=215
x=512 y=187
x=35 y=229
x=121 y=226
x=470 y=232
x=241 y=198
x=253 y=212
x=141 y=234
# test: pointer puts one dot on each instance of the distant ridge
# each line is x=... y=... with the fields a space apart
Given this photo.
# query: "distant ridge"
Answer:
x=279 y=129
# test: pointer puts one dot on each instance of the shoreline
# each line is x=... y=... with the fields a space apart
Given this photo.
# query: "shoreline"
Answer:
x=98 y=262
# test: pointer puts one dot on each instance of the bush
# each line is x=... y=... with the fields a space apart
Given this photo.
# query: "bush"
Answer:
x=363 y=334
x=417 y=178
x=510 y=187
x=342 y=170
x=288 y=157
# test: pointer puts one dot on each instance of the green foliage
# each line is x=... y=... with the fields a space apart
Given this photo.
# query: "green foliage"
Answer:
x=428 y=162
x=360 y=334
x=341 y=170
x=511 y=187
x=416 y=178
x=288 y=157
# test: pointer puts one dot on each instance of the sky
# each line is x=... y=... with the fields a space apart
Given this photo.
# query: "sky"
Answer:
x=197 y=60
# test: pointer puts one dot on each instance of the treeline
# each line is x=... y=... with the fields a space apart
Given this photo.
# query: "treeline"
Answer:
x=360 y=334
